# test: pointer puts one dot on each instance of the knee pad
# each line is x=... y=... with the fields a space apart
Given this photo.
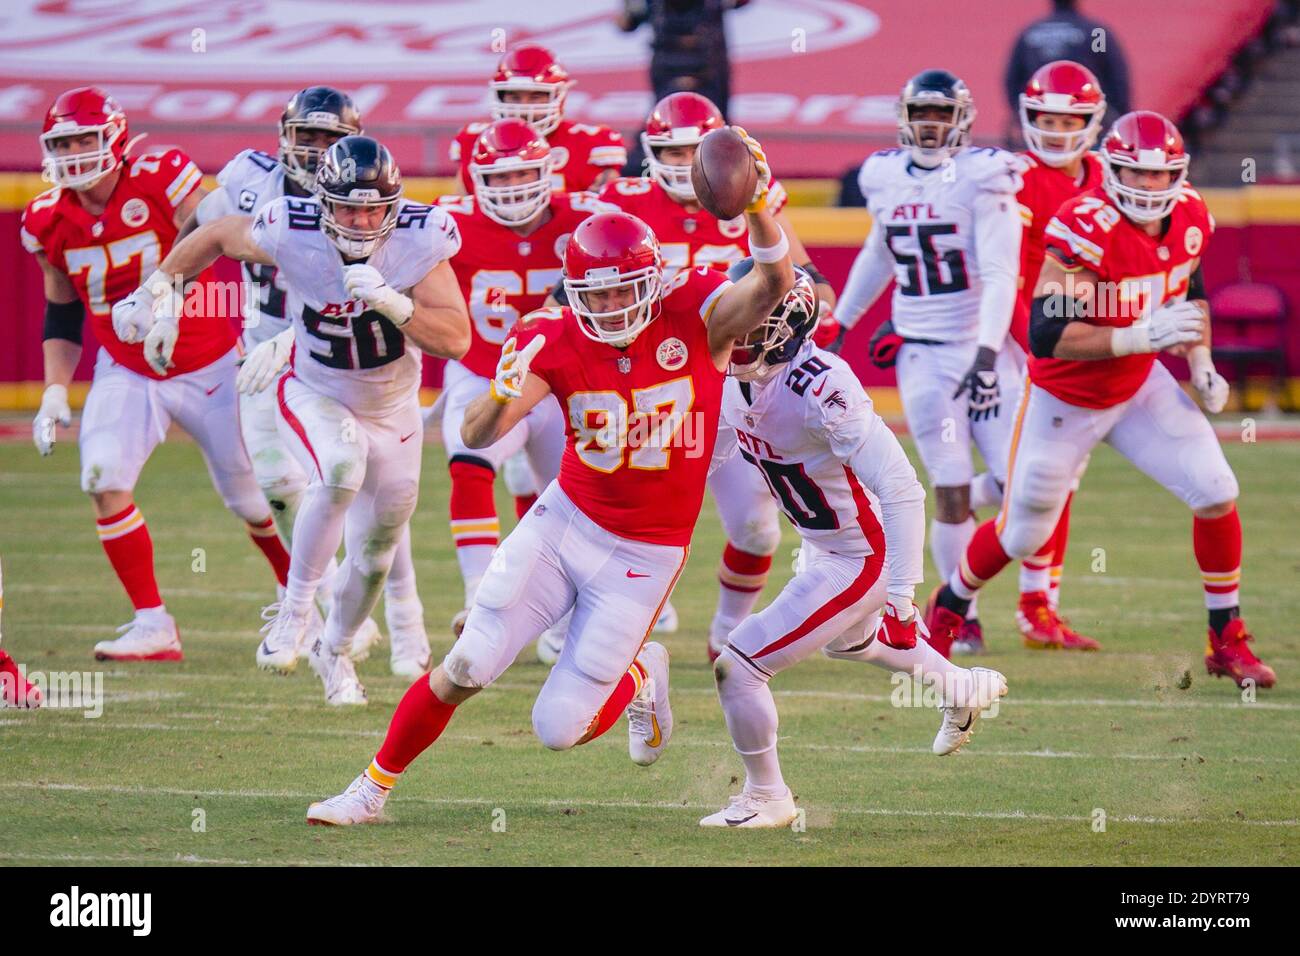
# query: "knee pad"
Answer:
x=1044 y=485
x=464 y=664
x=1022 y=539
x=395 y=504
x=760 y=535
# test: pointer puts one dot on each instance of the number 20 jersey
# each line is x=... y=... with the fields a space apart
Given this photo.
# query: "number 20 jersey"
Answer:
x=640 y=422
x=927 y=217
x=342 y=348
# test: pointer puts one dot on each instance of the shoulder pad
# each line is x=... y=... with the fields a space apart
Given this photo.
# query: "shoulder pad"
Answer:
x=993 y=168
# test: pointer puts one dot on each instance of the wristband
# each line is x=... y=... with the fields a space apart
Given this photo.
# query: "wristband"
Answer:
x=1132 y=340
x=770 y=254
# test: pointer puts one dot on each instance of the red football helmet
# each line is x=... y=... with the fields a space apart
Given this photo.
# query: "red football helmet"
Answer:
x=83 y=111
x=679 y=119
x=1146 y=141
x=1065 y=87
x=505 y=146
x=530 y=67
x=608 y=251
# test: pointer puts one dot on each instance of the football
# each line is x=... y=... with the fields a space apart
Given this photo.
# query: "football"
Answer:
x=723 y=174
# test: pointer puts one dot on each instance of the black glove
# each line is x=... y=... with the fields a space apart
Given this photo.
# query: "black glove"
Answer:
x=982 y=383
x=884 y=345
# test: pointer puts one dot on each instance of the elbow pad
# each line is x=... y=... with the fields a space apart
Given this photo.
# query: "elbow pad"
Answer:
x=63 y=320
x=1196 y=286
x=1048 y=317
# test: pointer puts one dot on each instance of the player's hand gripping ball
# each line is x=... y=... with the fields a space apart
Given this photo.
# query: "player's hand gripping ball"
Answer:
x=730 y=173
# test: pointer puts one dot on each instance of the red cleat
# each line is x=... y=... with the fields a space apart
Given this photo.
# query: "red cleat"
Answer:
x=1074 y=641
x=970 y=637
x=942 y=624
x=15 y=690
x=1229 y=655
x=1038 y=623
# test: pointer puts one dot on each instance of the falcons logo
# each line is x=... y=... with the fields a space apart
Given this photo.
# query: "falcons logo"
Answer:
x=836 y=400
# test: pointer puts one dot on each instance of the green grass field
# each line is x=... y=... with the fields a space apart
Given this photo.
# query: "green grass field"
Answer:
x=1185 y=775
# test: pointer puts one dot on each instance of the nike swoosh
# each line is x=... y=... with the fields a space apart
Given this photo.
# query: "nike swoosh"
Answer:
x=969 y=720
x=658 y=737
x=817 y=391
x=214 y=388
x=633 y=574
x=404 y=437
x=736 y=823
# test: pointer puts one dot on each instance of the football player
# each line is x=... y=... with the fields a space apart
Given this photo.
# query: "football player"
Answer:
x=798 y=415
x=97 y=234
x=637 y=366
x=689 y=237
x=15 y=689
x=366 y=272
x=1120 y=284
x=530 y=85
x=314 y=119
x=513 y=231
x=946 y=225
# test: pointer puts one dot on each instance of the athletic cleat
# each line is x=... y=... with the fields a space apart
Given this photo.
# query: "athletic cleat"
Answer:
x=458 y=622
x=1039 y=625
x=958 y=724
x=667 y=622
x=649 y=715
x=941 y=623
x=970 y=638
x=15 y=690
x=1229 y=655
x=361 y=802
x=411 y=655
x=751 y=811
x=550 y=644
x=338 y=674
x=364 y=641
x=282 y=635
x=1073 y=640
x=151 y=637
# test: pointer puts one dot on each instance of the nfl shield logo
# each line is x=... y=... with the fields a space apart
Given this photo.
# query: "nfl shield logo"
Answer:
x=688 y=225
x=525 y=248
x=749 y=420
x=624 y=364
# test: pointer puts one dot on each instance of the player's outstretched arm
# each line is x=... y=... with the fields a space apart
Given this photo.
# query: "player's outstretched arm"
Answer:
x=743 y=307
x=512 y=395
x=230 y=236
x=440 y=323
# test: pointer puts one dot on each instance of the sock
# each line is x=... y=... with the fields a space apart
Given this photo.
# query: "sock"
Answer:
x=628 y=687
x=419 y=720
x=126 y=541
x=752 y=721
x=982 y=559
x=1217 y=543
x=1220 y=617
x=523 y=503
x=317 y=535
x=1060 y=539
x=1036 y=571
x=741 y=576
x=985 y=492
x=474 y=525
x=947 y=542
x=267 y=539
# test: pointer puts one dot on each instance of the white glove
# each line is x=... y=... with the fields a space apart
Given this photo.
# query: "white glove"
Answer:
x=364 y=282
x=1174 y=323
x=260 y=367
x=133 y=316
x=161 y=342
x=759 y=202
x=54 y=408
x=1209 y=384
x=512 y=369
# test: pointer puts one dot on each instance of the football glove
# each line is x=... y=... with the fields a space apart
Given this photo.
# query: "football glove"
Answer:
x=1209 y=384
x=759 y=201
x=1174 y=323
x=982 y=384
x=364 y=282
x=260 y=367
x=133 y=316
x=898 y=619
x=54 y=409
x=512 y=369
x=884 y=345
x=161 y=342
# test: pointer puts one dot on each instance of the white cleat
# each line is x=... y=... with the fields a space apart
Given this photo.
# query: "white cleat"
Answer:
x=364 y=641
x=667 y=621
x=751 y=811
x=282 y=635
x=410 y=652
x=649 y=715
x=550 y=645
x=986 y=686
x=361 y=802
x=152 y=636
x=338 y=674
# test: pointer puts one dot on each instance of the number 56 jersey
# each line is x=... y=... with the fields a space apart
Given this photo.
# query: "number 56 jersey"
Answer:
x=342 y=348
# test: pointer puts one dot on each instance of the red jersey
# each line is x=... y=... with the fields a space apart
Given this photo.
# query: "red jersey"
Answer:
x=1045 y=190
x=640 y=422
x=1136 y=273
x=108 y=256
x=580 y=152
x=503 y=275
x=686 y=238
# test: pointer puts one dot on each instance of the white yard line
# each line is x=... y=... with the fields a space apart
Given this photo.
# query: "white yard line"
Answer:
x=175 y=858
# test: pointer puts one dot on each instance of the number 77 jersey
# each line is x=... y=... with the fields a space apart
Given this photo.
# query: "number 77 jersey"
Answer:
x=639 y=422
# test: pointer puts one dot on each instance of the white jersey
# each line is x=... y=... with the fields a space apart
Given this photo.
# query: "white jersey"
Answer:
x=342 y=348
x=247 y=182
x=927 y=222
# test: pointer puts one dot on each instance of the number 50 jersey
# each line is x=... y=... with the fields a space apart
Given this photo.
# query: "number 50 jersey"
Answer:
x=927 y=222
x=342 y=348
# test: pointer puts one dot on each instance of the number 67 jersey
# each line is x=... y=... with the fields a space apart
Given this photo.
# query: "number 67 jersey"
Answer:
x=342 y=348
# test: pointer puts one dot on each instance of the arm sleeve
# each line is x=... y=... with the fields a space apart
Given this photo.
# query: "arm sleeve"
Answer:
x=998 y=232
x=870 y=275
x=63 y=320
